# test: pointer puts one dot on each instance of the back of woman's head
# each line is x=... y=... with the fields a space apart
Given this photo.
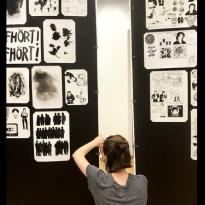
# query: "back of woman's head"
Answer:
x=116 y=150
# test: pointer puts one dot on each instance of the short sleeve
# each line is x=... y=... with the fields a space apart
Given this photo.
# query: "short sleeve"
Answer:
x=92 y=172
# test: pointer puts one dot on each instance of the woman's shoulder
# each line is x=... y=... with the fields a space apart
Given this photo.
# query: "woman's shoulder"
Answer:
x=139 y=178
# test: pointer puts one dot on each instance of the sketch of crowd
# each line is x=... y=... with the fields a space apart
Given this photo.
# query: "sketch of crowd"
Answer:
x=46 y=119
x=50 y=133
x=45 y=148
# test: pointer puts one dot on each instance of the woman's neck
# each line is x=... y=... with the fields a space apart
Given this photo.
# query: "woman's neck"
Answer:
x=120 y=176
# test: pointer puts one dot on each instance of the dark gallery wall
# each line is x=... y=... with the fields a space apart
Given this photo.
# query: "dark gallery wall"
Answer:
x=31 y=182
x=163 y=148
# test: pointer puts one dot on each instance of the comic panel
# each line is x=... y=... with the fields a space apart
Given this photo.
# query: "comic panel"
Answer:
x=74 y=7
x=168 y=96
x=17 y=84
x=59 y=41
x=47 y=87
x=43 y=7
x=23 y=45
x=76 y=87
x=162 y=14
x=17 y=122
x=194 y=134
x=16 y=12
x=193 y=86
x=51 y=131
x=170 y=49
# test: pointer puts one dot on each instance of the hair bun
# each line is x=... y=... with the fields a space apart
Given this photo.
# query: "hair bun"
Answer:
x=121 y=146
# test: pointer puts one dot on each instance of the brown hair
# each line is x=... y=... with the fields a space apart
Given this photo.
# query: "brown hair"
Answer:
x=116 y=150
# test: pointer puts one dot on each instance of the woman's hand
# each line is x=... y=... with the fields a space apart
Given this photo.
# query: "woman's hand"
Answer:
x=99 y=140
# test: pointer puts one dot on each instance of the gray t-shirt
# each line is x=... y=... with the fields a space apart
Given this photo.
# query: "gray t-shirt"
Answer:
x=106 y=191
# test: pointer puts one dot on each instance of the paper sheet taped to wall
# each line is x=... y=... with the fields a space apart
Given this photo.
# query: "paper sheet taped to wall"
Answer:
x=168 y=96
x=51 y=131
x=161 y=14
x=170 y=49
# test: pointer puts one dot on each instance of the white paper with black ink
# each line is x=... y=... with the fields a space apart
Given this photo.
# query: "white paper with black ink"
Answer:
x=74 y=7
x=23 y=45
x=59 y=41
x=17 y=84
x=47 y=87
x=170 y=49
x=16 y=12
x=194 y=134
x=168 y=96
x=76 y=87
x=51 y=131
x=161 y=14
x=193 y=87
x=17 y=122
x=43 y=7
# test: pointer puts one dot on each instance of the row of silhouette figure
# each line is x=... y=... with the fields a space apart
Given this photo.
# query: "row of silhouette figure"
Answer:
x=50 y=133
x=45 y=148
x=57 y=119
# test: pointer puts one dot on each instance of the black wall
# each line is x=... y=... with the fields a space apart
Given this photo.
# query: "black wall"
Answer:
x=163 y=149
x=51 y=183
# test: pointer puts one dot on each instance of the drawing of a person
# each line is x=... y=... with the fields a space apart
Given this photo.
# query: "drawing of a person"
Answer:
x=15 y=112
x=192 y=10
x=180 y=38
x=155 y=96
x=70 y=97
x=152 y=5
x=162 y=96
x=24 y=116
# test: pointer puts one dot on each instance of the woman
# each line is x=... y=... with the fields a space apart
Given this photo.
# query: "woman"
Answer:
x=116 y=186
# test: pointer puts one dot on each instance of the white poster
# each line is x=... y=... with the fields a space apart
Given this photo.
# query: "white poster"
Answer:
x=17 y=84
x=168 y=96
x=76 y=87
x=17 y=122
x=23 y=45
x=193 y=88
x=170 y=49
x=74 y=7
x=51 y=134
x=47 y=87
x=194 y=134
x=59 y=41
x=162 y=14
x=15 y=12
x=43 y=7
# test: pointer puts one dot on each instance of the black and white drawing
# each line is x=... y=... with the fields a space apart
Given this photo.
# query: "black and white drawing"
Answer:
x=194 y=134
x=170 y=49
x=23 y=45
x=59 y=41
x=43 y=7
x=193 y=86
x=47 y=87
x=16 y=12
x=76 y=87
x=51 y=131
x=168 y=96
x=17 y=84
x=162 y=14
x=74 y=7
x=17 y=122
